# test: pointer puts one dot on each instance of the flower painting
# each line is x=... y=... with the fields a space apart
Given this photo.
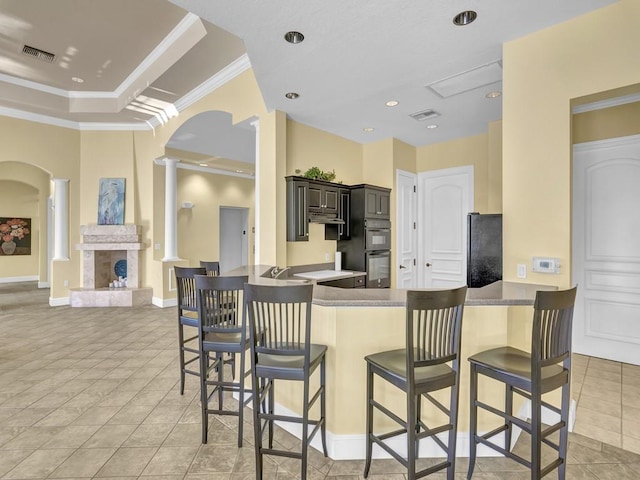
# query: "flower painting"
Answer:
x=15 y=236
x=111 y=201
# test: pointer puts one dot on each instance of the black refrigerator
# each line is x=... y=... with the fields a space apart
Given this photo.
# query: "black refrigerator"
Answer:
x=484 y=249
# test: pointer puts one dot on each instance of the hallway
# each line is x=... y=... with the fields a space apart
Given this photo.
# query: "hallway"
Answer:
x=92 y=393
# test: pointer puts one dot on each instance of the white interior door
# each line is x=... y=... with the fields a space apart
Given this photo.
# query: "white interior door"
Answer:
x=233 y=237
x=445 y=199
x=406 y=239
x=606 y=249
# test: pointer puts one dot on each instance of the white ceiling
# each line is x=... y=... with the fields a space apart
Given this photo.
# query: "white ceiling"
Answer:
x=141 y=59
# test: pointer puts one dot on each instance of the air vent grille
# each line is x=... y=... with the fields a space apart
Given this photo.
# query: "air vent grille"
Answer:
x=423 y=115
x=39 y=54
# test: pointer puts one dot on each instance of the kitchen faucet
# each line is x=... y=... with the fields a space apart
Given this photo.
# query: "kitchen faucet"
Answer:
x=276 y=271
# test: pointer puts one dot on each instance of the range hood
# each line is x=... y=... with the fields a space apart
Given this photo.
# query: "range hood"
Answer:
x=325 y=219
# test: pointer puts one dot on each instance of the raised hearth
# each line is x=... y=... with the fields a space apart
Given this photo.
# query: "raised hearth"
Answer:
x=102 y=246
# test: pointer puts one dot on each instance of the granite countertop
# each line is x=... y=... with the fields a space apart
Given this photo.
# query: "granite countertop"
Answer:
x=497 y=293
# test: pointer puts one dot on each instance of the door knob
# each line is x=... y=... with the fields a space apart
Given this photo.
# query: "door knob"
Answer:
x=428 y=264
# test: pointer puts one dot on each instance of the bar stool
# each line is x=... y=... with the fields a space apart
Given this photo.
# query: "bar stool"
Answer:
x=433 y=332
x=530 y=375
x=281 y=349
x=221 y=331
x=187 y=316
x=213 y=268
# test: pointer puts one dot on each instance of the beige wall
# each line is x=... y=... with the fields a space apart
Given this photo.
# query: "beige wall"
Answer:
x=199 y=227
x=55 y=150
x=618 y=121
x=456 y=153
x=309 y=147
x=601 y=50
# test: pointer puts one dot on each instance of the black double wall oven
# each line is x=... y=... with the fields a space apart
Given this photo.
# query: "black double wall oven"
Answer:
x=369 y=247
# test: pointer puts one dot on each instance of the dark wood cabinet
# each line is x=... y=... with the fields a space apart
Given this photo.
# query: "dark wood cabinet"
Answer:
x=344 y=213
x=348 y=282
x=369 y=201
x=297 y=210
x=323 y=198
x=377 y=203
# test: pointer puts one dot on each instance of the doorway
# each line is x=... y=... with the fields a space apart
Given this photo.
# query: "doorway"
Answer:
x=234 y=244
x=439 y=220
x=606 y=252
x=445 y=197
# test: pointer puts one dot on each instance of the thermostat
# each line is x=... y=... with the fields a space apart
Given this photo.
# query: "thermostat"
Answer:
x=546 y=265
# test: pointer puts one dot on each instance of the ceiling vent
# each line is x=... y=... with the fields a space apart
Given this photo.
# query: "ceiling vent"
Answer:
x=39 y=54
x=423 y=115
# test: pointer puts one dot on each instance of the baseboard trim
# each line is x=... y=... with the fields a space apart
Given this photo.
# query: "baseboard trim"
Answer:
x=43 y=285
x=162 y=303
x=26 y=278
x=352 y=447
x=59 y=301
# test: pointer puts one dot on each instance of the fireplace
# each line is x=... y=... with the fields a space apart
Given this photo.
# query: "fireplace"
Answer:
x=104 y=246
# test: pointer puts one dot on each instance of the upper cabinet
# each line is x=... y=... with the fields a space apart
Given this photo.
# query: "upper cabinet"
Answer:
x=297 y=210
x=371 y=201
x=323 y=198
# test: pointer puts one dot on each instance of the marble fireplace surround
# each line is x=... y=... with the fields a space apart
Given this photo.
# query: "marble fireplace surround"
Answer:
x=102 y=246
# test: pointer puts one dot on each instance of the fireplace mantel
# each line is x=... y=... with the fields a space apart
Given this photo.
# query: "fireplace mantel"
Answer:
x=102 y=246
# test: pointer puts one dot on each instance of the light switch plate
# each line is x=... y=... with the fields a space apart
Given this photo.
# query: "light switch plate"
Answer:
x=522 y=270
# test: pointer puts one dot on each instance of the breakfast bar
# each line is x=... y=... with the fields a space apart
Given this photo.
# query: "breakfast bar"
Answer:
x=356 y=322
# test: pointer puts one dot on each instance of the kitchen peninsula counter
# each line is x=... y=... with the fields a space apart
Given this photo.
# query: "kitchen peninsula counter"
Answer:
x=354 y=323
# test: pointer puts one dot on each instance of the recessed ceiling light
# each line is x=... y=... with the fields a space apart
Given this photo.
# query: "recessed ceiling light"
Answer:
x=77 y=79
x=239 y=171
x=294 y=37
x=465 y=18
x=495 y=94
x=368 y=129
x=432 y=126
x=392 y=103
x=292 y=95
x=204 y=165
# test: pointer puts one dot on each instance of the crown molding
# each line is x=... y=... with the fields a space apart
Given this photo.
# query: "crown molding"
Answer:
x=612 y=102
x=228 y=73
x=38 y=118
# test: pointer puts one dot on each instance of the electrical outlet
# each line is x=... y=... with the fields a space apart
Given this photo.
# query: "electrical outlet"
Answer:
x=157 y=246
x=66 y=283
x=522 y=270
x=327 y=258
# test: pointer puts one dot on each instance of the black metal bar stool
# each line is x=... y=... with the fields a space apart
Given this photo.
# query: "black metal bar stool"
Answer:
x=281 y=349
x=530 y=375
x=187 y=316
x=433 y=332
x=222 y=330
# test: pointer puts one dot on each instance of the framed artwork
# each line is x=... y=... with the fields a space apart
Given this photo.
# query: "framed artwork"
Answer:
x=111 y=201
x=15 y=236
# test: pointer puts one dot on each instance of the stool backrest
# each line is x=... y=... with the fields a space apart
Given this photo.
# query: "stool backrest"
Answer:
x=552 y=325
x=219 y=302
x=213 y=268
x=434 y=325
x=282 y=316
x=186 y=286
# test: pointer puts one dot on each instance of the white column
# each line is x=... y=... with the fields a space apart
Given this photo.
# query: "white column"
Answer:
x=170 y=210
x=61 y=219
x=256 y=196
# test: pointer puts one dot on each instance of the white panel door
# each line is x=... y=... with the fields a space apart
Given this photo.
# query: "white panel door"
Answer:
x=606 y=249
x=446 y=197
x=406 y=240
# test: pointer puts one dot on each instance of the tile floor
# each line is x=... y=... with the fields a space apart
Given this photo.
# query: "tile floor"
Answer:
x=92 y=393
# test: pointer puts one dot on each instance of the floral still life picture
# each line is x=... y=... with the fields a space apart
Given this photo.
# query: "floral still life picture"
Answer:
x=15 y=236
x=111 y=201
